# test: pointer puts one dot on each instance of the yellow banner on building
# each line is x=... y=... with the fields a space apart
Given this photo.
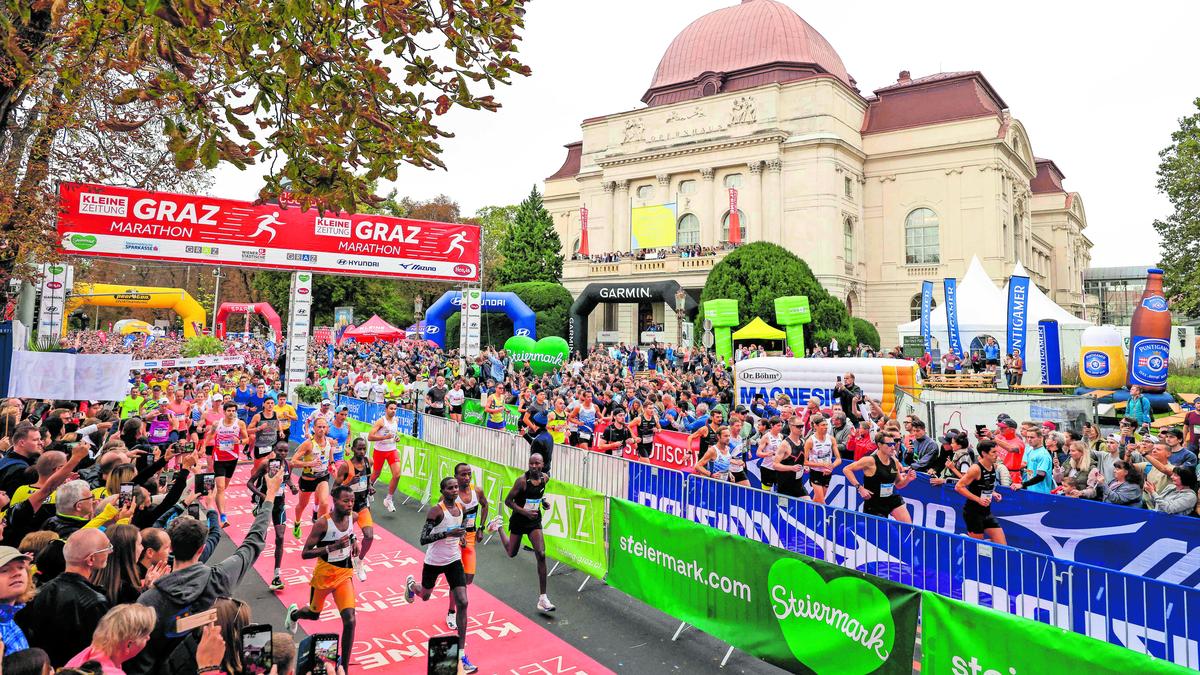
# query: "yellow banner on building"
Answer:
x=653 y=226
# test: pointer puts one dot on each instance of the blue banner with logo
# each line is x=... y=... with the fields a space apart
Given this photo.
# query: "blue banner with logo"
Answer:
x=406 y=420
x=1018 y=314
x=1050 y=352
x=926 y=307
x=1102 y=593
x=950 y=288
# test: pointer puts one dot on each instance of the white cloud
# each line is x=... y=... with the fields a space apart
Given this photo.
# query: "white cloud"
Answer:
x=1099 y=91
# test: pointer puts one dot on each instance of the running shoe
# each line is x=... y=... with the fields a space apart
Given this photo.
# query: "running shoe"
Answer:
x=409 y=593
x=494 y=524
x=359 y=570
x=224 y=521
x=452 y=621
x=467 y=666
x=388 y=504
x=289 y=619
x=296 y=530
x=276 y=584
x=544 y=604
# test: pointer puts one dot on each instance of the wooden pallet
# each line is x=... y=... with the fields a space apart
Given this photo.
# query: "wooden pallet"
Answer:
x=961 y=381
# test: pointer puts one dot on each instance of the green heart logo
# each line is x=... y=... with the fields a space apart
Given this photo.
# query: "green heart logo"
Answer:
x=302 y=277
x=843 y=626
x=544 y=356
x=83 y=241
x=57 y=269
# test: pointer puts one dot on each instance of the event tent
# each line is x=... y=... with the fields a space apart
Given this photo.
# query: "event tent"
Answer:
x=758 y=329
x=373 y=329
x=983 y=311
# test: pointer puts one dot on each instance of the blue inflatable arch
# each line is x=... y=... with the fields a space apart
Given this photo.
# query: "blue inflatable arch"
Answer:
x=523 y=318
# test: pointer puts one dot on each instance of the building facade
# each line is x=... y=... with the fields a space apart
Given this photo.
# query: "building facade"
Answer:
x=875 y=192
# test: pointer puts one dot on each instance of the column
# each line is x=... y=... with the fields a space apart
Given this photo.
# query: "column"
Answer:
x=609 y=243
x=753 y=202
x=773 y=204
x=620 y=205
x=710 y=229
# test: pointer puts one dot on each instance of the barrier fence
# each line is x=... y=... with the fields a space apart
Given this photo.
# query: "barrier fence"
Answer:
x=1147 y=616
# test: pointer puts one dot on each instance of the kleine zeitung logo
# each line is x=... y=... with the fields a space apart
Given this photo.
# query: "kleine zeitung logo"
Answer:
x=103 y=205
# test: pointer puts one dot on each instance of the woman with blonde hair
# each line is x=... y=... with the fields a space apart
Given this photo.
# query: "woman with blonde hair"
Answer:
x=122 y=633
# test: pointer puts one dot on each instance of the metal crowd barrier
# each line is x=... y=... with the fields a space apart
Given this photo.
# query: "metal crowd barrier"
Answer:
x=1145 y=615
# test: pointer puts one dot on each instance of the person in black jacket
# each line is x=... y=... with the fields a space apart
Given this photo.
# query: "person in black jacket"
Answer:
x=62 y=616
x=194 y=586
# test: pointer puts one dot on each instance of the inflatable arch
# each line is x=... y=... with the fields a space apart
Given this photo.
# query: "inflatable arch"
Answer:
x=146 y=297
x=523 y=318
x=262 y=308
x=594 y=294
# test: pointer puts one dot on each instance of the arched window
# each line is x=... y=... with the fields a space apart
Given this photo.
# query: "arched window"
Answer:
x=851 y=301
x=741 y=223
x=687 y=187
x=688 y=230
x=921 y=238
x=978 y=343
x=645 y=191
x=733 y=180
x=848 y=240
x=914 y=307
x=575 y=246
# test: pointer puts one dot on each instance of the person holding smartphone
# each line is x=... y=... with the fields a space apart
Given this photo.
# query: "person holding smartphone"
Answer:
x=443 y=535
x=331 y=541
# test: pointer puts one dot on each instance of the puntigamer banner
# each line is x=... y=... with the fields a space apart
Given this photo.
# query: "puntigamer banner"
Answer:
x=797 y=613
x=963 y=639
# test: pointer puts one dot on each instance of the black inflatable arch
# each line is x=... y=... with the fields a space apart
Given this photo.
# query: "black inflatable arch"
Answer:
x=594 y=294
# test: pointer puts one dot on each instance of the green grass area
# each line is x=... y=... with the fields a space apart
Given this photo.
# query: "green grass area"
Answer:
x=1183 y=384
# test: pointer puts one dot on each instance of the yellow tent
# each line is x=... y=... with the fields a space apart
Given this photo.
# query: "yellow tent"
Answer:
x=759 y=330
x=134 y=326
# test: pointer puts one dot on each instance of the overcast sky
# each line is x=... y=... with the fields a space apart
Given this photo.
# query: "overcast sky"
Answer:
x=1098 y=91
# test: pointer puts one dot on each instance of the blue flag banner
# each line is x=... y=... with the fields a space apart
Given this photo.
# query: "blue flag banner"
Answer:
x=1050 y=353
x=329 y=355
x=950 y=287
x=129 y=340
x=269 y=345
x=926 y=306
x=1018 y=313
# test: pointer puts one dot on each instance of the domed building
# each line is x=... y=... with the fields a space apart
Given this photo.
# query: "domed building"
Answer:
x=752 y=111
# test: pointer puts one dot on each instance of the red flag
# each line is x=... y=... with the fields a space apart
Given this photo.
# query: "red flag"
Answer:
x=735 y=221
x=583 y=223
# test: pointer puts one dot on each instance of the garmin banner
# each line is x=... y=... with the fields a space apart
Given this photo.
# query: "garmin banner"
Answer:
x=950 y=289
x=1120 y=607
x=926 y=307
x=1050 y=352
x=1018 y=310
x=594 y=294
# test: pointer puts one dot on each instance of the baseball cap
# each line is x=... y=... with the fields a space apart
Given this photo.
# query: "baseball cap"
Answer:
x=216 y=397
x=1050 y=425
x=326 y=402
x=9 y=554
x=1009 y=422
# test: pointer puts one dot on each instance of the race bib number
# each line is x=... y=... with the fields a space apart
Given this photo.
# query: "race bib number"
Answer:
x=585 y=436
x=360 y=485
x=533 y=504
x=647 y=440
x=986 y=494
x=886 y=489
x=469 y=521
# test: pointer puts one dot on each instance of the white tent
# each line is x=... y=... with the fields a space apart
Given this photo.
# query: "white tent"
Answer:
x=983 y=311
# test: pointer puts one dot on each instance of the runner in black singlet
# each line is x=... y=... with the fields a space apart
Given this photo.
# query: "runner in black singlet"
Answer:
x=524 y=502
x=978 y=486
x=789 y=462
x=882 y=479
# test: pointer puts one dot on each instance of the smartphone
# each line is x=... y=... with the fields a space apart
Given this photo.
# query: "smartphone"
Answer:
x=321 y=647
x=256 y=649
x=979 y=429
x=193 y=510
x=205 y=483
x=187 y=447
x=443 y=655
x=274 y=466
x=192 y=621
x=125 y=496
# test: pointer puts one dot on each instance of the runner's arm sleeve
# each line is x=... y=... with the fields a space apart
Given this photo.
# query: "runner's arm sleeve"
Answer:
x=427 y=535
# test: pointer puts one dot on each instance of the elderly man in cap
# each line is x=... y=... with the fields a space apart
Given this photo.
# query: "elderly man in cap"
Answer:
x=65 y=612
x=15 y=589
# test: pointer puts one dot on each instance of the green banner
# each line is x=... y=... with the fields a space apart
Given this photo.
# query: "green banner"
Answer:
x=573 y=519
x=795 y=612
x=473 y=414
x=952 y=641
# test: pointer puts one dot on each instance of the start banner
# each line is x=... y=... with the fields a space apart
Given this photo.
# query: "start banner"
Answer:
x=118 y=222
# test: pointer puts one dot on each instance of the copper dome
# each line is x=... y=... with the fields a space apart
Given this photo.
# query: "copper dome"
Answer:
x=753 y=33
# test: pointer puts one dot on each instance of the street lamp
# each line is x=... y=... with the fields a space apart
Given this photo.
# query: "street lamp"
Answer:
x=680 y=298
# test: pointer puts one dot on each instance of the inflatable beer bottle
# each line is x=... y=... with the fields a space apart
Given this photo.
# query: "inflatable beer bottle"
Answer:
x=1150 y=337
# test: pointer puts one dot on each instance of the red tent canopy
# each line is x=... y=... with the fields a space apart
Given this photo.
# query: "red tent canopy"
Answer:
x=374 y=329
